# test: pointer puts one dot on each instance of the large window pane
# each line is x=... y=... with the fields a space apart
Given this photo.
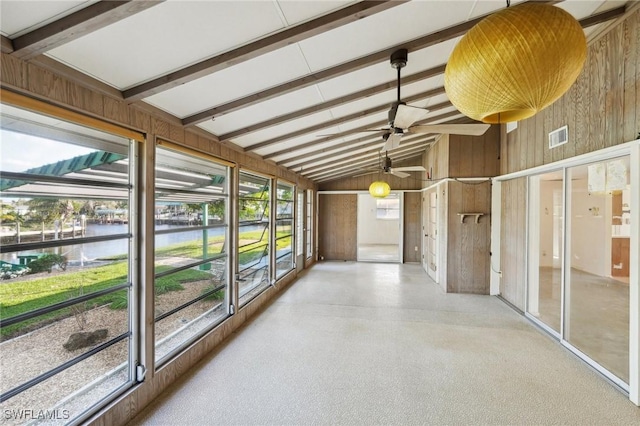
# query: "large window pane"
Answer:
x=597 y=276
x=546 y=235
x=191 y=285
x=309 y=236
x=253 y=236
x=67 y=220
x=284 y=229
x=300 y=225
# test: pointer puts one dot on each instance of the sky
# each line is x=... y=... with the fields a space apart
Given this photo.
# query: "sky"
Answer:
x=20 y=152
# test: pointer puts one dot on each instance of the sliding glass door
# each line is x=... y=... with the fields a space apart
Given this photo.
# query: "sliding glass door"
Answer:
x=579 y=260
x=596 y=317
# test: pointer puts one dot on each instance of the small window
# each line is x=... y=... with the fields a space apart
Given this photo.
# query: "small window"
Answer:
x=388 y=208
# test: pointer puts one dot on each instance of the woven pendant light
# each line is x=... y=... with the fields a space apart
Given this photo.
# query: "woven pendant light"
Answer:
x=515 y=63
x=379 y=189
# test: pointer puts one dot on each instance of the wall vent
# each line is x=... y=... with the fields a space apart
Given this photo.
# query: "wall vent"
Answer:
x=558 y=137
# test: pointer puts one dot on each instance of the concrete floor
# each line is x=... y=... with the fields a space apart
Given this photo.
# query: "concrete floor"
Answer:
x=363 y=343
x=599 y=321
x=378 y=252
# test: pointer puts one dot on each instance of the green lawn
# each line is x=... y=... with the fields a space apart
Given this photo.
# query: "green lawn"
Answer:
x=24 y=296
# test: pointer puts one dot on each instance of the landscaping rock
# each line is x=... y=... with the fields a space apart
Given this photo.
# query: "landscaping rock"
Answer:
x=85 y=338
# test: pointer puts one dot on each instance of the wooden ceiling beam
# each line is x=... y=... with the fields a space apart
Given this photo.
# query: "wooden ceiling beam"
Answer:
x=7 y=44
x=76 y=25
x=401 y=160
x=329 y=73
x=413 y=154
x=380 y=88
x=347 y=118
x=601 y=17
x=364 y=162
x=259 y=47
x=409 y=153
x=404 y=144
x=374 y=151
x=423 y=75
x=290 y=163
x=357 y=158
x=350 y=143
x=342 y=134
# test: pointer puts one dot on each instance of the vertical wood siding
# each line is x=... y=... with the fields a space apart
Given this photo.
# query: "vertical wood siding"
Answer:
x=601 y=109
x=337 y=225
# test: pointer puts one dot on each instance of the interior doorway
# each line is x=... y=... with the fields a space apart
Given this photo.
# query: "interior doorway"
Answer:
x=380 y=228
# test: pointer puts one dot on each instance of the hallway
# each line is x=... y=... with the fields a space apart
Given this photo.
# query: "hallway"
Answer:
x=362 y=343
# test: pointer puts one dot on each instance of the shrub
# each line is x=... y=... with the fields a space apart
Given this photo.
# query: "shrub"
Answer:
x=47 y=262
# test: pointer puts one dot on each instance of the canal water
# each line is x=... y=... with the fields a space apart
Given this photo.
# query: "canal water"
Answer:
x=81 y=253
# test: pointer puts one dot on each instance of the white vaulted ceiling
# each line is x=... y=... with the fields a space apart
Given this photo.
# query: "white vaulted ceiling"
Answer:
x=295 y=82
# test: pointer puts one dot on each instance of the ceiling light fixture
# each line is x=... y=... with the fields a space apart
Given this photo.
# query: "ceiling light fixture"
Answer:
x=379 y=189
x=515 y=63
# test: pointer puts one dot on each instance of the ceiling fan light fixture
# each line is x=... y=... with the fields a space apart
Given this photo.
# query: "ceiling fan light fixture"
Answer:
x=515 y=63
x=379 y=189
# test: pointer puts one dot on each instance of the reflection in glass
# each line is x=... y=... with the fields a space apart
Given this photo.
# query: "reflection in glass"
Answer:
x=191 y=236
x=65 y=235
x=545 y=248
x=284 y=229
x=253 y=235
x=300 y=226
x=309 y=235
x=597 y=278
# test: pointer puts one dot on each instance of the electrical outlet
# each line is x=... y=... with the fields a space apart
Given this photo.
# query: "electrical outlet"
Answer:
x=415 y=248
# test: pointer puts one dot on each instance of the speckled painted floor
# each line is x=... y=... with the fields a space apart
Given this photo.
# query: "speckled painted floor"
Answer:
x=362 y=344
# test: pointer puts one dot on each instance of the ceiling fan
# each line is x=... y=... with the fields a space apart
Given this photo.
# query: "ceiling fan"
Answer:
x=385 y=166
x=402 y=116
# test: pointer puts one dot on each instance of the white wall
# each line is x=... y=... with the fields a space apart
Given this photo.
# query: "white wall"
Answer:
x=547 y=190
x=372 y=230
x=590 y=230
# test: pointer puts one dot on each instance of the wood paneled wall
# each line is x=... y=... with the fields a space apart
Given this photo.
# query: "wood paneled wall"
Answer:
x=412 y=209
x=464 y=247
x=513 y=241
x=475 y=156
x=436 y=159
x=457 y=156
x=337 y=226
x=412 y=227
x=601 y=109
x=468 y=243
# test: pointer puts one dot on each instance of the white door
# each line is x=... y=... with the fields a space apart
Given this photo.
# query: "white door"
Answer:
x=430 y=233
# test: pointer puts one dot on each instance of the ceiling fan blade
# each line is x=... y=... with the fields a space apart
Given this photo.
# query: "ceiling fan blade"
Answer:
x=359 y=131
x=407 y=115
x=402 y=175
x=453 y=129
x=393 y=141
x=410 y=169
x=365 y=174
